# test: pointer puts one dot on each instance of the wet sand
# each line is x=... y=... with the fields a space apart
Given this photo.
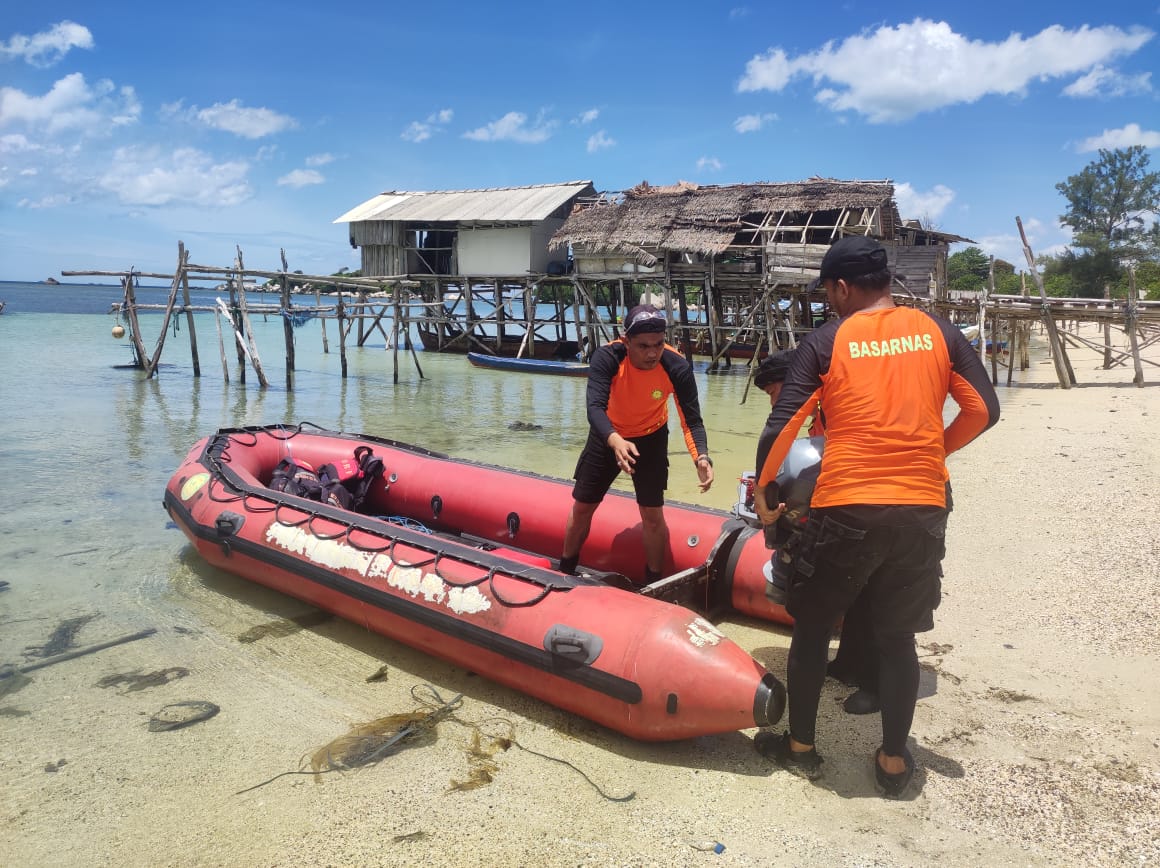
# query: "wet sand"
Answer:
x=1037 y=732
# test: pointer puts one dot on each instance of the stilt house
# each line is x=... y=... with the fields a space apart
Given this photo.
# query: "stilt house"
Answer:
x=503 y=231
x=745 y=237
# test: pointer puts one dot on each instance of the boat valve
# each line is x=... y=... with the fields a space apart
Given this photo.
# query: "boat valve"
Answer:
x=227 y=525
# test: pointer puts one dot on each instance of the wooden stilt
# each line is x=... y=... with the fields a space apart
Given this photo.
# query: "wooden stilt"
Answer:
x=1062 y=368
x=287 y=322
x=189 y=319
x=217 y=318
x=1130 y=317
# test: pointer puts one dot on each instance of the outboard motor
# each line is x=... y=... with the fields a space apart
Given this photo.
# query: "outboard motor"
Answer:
x=793 y=486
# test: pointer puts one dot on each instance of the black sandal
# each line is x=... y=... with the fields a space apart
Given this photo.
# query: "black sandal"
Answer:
x=805 y=764
x=893 y=785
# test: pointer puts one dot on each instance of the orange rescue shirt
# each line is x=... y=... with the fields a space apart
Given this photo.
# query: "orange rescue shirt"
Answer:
x=882 y=377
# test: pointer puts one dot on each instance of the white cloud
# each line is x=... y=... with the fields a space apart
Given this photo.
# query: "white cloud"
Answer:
x=913 y=204
x=420 y=131
x=301 y=178
x=1124 y=137
x=53 y=200
x=586 y=117
x=513 y=127
x=709 y=164
x=924 y=65
x=599 y=140
x=140 y=175
x=71 y=105
x=249 y=123
x=45 y=49
x=1045 y=239
x=1104 y=82
x=15 y=143
x=738 y=12
x=752 y=123
x=416 y=132
x=319 y=159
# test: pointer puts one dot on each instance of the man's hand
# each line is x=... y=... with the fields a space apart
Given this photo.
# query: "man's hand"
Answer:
x=704 y=474
x=625 y=451
x=764 y=512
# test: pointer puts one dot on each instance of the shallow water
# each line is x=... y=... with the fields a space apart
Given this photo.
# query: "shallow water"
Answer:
x=86 y=448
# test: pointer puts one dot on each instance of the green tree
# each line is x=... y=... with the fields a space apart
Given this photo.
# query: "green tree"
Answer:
x=967 y=270
x=1007 y=282
x=1112 y=208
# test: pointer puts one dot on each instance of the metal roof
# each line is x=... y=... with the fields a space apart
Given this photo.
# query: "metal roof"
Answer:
x=497 y=205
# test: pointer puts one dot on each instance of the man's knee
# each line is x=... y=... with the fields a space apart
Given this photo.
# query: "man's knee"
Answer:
x=652 y=519
x=582 y=511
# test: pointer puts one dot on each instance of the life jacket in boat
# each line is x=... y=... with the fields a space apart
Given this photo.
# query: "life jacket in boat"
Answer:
x=344 y=483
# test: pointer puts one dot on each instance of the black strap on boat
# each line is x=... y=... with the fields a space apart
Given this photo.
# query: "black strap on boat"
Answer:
x=257 y=498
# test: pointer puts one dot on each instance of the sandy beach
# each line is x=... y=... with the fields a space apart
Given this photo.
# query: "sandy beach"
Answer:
x=1037 y=732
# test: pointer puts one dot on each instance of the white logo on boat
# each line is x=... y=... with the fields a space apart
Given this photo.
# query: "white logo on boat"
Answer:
x=335 y=554
x=702 y=633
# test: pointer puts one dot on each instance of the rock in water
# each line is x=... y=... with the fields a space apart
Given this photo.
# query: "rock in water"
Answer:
x=181 y=714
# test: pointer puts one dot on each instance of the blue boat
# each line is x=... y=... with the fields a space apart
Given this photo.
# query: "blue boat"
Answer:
x=534 y=366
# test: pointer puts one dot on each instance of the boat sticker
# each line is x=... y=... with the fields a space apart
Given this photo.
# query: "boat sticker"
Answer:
x=702 y=633
x=193 y=485
x=337 y=554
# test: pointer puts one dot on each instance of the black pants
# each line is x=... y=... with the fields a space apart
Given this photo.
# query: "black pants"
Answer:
x=892 y=556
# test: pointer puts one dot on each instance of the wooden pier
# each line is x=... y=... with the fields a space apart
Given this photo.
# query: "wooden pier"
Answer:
x=541 y=316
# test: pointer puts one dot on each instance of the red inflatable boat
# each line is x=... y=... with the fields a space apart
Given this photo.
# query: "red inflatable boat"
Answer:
x=458 y=559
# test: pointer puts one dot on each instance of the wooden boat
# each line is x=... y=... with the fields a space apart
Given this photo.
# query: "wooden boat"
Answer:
x=531 y=366
x=457 y=558
x=456 y=341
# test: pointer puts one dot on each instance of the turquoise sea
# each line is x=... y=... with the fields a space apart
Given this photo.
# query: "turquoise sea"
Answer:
x=87 y=444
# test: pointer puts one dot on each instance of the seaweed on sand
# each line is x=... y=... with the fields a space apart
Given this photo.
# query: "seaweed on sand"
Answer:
x=62 y=638
x=285 y=626
x=368 y=743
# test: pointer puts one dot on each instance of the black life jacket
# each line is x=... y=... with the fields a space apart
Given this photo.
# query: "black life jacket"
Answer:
x=344 y=483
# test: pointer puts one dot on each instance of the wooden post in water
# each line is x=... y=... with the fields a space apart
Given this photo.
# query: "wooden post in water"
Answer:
x=1062 y=365
x=287 y=322
x=395 y=334
x=189 y=321
x=404 y=322
x=249 y=330
x=340 y=311
x=321 y=319
x=130 y=303
x=182 y=260
x=217 y=318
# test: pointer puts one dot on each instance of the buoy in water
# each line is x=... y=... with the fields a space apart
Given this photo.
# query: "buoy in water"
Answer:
x=118 y=331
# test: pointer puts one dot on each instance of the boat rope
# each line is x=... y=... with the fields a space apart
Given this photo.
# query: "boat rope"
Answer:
x=231 y=489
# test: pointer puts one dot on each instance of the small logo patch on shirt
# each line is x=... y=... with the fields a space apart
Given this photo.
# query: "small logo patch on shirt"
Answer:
x=657 y=394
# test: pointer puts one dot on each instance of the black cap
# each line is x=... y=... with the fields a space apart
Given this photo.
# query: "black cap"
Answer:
x=773 y=369
x=851 y=257
x=644 y=318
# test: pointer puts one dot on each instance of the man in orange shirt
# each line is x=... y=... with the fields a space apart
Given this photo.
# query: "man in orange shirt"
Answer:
x=878 y=514
x=629 y=384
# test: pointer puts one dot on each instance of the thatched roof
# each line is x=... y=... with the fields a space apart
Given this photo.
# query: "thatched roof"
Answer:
x=686 y=217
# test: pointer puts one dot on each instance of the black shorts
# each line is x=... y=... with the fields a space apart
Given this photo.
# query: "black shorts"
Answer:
x=894 y=552
x=597 y=468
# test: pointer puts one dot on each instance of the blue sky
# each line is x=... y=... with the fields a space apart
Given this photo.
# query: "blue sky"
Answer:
x=127 y=126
